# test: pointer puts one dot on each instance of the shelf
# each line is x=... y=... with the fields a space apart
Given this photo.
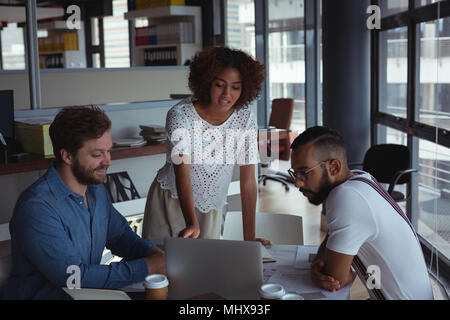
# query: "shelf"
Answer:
x=57 y=24
x=37 y=162
x=17 y=14
x=60 y=37
x=55 y=52
x=167 y=45
x=163 y=12
x=173 y=14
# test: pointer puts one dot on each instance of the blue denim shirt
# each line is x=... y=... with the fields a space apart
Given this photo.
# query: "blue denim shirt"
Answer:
x=52 y=229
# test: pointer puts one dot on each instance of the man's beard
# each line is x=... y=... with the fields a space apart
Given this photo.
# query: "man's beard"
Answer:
x=87 y=176
x=324 y=189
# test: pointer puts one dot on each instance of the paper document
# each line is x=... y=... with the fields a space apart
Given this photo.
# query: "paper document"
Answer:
x=294 y=280
x=299 y=281
x=305 y=256
x=292 y=270
x=283 y=257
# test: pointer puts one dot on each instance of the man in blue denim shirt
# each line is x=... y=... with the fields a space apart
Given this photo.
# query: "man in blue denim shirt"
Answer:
x=66 y=218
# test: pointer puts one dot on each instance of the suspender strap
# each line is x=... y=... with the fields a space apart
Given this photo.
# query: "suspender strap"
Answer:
x=357 y=263
x=387 y=197
x=361 y=270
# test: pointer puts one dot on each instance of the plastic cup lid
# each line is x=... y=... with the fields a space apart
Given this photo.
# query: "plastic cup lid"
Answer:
x=292 y=296
x=271 y=291
x=156 y=281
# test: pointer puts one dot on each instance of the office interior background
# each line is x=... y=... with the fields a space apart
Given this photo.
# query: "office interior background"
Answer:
x=386 y=85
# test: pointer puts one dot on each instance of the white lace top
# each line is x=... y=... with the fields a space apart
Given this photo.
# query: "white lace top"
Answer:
x=213 y=152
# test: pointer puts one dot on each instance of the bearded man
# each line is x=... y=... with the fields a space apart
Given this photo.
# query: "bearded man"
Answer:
x=64 y=220
x=366 y=227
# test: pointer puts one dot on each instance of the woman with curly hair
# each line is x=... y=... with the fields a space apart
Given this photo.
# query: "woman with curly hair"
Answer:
x=208 y=134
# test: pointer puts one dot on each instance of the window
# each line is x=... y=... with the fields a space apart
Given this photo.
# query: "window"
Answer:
x=421 y=3
x=432 y=215
x=13 y=48
x=390 y=7
x=434 y=92
x=413 y=55
x=117 y=52
x=393 y=71
x=287 y=55
x=390 y=135
x=95 y=31
x=241 y=25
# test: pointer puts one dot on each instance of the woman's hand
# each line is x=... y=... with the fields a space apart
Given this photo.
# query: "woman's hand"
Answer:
x=184 y=189
x=191 y=231
x=264 y=242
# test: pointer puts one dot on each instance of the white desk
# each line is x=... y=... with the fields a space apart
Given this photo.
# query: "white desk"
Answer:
x=292 y=270
x=131 y=207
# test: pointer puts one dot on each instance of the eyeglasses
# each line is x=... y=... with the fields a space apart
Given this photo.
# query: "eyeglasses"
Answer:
x=302 y=175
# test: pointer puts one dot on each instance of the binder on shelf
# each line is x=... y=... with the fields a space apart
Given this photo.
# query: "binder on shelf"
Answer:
x=60 y=42
x=54 y=61
x=145 y=4
x=153 y=34
x=167 y=33
x=161 y=56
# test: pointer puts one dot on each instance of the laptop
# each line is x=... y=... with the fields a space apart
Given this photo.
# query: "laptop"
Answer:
x=229 y=269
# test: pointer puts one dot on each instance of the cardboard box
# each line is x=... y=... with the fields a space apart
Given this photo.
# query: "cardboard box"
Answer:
x=35 y=138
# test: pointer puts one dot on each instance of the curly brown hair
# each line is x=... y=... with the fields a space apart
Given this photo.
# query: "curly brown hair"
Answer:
x=208 y=63
x=73 y=126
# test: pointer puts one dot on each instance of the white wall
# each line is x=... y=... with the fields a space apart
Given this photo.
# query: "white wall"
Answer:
x=11 y=187
x=125 y=123
x=69 y=87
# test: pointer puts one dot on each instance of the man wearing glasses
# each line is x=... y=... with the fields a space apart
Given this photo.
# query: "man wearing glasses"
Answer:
x=366 y=228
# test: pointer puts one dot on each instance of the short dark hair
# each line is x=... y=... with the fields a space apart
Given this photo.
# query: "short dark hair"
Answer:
x=73 y=126
x=324 y=139
x=206 y=64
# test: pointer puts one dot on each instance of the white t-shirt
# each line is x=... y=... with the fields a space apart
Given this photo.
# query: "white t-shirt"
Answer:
x=361 y=222
x=213 y=151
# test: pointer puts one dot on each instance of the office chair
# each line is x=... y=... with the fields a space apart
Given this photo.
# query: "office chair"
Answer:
x=279 y=228
x=282 y=111
x=388 y=163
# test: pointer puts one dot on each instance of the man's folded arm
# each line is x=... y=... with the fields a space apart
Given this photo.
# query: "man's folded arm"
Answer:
x=123 y=241
x=338 y=266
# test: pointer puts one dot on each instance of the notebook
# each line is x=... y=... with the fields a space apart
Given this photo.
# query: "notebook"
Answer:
x=96 y=294
x=266 y=256
x=230 y=269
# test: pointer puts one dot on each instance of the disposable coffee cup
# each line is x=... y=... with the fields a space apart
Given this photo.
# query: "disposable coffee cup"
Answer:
x=292 y=296
x=271 y=291
x=156 y=287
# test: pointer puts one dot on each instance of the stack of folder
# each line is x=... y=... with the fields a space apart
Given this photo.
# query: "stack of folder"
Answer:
x=153 y=134
x=131 y=142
